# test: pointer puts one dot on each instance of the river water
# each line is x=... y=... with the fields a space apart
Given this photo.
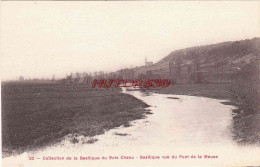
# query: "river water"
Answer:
x=178 y=126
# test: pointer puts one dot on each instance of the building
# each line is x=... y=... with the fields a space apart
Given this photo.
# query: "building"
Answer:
x=147 y=63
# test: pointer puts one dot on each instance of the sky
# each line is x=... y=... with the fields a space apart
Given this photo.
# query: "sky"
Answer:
x=42 y=38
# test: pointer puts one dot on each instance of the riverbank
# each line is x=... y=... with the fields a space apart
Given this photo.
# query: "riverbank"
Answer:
x=216 y=91
x=246 y=127
x=34 y=119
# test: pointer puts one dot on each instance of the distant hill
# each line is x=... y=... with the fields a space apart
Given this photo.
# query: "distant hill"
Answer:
x=208 y=63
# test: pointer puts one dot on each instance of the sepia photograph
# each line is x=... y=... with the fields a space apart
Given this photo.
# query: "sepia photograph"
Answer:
x=130 y=83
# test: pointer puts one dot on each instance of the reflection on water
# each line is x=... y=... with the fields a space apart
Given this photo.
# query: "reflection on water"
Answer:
x=192 y=120
x=179 y=125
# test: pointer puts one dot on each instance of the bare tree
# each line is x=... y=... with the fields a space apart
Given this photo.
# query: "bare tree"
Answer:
x=179 y=63
x=78 y=77
x=69 y=77
x=21 y=78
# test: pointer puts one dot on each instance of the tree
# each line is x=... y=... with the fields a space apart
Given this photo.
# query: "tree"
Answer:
x=196 y=62
x=178 y=64
x=78 y=77
x=69 y=77
x=246 y=88
x=53 y=78
x=21 y=78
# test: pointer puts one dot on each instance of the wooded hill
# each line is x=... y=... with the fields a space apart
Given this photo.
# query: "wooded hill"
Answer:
x=203 y=64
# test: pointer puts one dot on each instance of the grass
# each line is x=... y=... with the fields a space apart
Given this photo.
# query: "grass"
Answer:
x=121 y=134
x=35 y=119
x=246 y=128
x=217 y=91
x=91 y=141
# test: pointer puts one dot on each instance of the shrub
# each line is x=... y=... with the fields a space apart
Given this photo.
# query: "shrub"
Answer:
x=245 y=88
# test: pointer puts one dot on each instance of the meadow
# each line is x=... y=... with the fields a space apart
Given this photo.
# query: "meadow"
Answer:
x=36 y=114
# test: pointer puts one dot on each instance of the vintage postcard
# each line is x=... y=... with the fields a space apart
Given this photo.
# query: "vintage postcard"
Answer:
x=130 y=83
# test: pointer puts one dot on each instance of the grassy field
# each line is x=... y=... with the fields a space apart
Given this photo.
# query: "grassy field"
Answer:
x=217 y=91
x=33 y=117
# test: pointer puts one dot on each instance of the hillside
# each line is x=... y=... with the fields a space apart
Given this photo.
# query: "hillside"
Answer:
x=204 y=64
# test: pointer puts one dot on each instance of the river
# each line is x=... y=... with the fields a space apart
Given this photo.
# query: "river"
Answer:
x=181 y=126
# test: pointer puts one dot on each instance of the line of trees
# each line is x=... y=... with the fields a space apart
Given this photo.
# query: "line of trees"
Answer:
x=193 y=70
x=246 y=88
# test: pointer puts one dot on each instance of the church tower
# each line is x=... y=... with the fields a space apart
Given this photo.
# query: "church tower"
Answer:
x=148 y=63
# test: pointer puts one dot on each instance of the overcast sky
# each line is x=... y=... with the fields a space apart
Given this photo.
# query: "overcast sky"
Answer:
x=39 y=39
